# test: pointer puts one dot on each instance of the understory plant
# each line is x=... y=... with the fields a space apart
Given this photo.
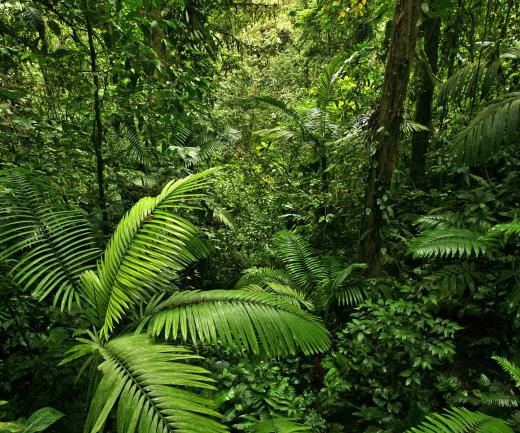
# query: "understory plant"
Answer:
x=130 y=309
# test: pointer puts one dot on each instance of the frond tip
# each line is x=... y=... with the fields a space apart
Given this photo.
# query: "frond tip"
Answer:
x=240 y=318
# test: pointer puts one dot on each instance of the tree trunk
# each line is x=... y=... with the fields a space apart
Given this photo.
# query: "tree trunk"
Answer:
x=97 y=127
x=386 y=122
x=423 y=103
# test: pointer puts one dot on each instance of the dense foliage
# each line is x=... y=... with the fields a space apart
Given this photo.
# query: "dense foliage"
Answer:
x=261 y=216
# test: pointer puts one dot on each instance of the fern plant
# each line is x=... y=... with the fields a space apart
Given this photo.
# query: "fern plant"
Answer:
x=151 y=385
x=307 y=279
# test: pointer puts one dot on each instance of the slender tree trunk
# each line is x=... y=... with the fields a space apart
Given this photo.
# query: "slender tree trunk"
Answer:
x=97 y=127
x=423 y=104
x=386 y=123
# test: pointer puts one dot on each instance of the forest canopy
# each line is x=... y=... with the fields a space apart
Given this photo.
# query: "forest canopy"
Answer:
x=263 y=216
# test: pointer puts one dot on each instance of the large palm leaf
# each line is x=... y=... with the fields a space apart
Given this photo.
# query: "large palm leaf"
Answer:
x=50 y=243
x=247 y=319
x=151 y=385
x=149 y=247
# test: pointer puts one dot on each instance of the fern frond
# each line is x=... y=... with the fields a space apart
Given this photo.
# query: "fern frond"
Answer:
x=50 y=243
x=444 y=221
x=509 y=367
x=305 y=268
x=278 y=425
x=151 y=385
x=493 y=126
x=247 y=319
x=149 y=247
x=506 y=229
x=450 y=242
x=500 y=400
x=460 y=420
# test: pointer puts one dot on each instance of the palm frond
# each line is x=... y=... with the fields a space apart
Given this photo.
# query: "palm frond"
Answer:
x=262 y=276
x=466 y=81
x=346 y=288
x=50 y=243
x=461 y=420
x=149 y=247
x=408 y=126
x=240 y=318
x=305 y=268
x=284 y=292
x=326 y=81
x=285 y=109
x=478 y=76
x=449 y=242
x=509 y=367
x=151 y=384
x=278 y=425
x=495 y=125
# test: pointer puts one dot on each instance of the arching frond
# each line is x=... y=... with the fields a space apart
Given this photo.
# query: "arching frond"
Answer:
x=345 y=288
x=506 y=229
x=460 y=420
x=408 y=126
x=292 y=114
x=469 y=79
x=152 y=386
x=223 y=216
x=497 y=124
x=284 y=292
x=446 y=220
x=150 y=245
x=262 y=276
x=479 y=77
x=326 y=81
x=450 y=242
x=509 y=367
x=305 y=268
x=49 y=242
x=240 y=318
x=500 y=400
x=278 y=425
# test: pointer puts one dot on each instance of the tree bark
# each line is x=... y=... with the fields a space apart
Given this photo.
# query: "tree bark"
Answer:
x=423 y=103
x=97 y=127
x=386 y=122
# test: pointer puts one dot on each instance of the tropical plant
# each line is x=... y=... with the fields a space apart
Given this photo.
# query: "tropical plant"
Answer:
x=323 y=282
x=152 y=383
x=37 y=422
